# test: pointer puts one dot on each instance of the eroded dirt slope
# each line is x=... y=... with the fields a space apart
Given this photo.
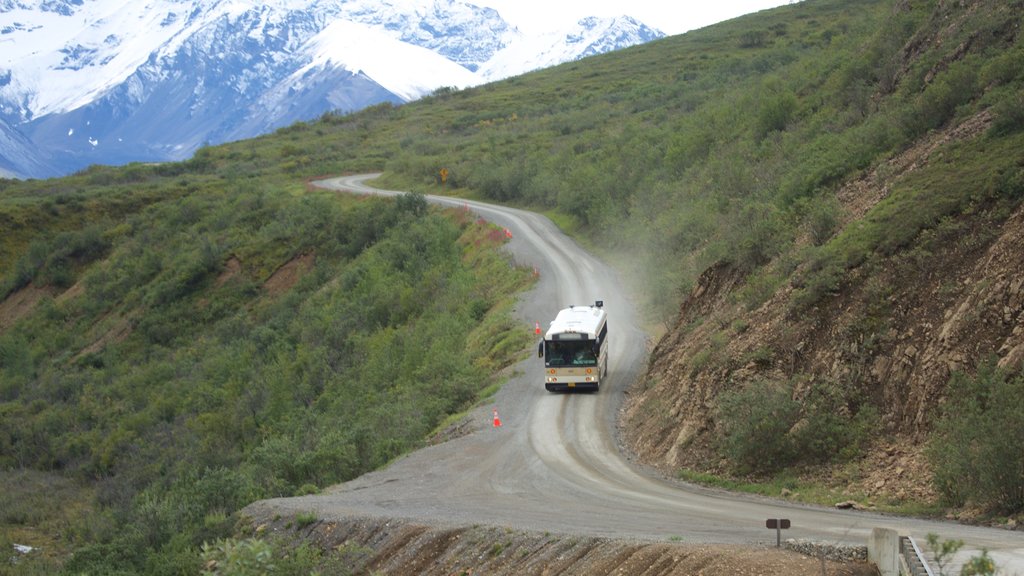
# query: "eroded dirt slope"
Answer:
x=399 y=548
x=897 y=331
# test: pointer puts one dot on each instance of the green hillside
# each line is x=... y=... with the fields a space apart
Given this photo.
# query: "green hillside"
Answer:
x=175 y=346
x=178 y=340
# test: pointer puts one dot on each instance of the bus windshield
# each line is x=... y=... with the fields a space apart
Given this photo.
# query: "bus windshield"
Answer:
x=569 y=353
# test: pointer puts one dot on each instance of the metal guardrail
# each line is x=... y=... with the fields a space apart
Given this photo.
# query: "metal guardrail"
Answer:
x=913 y=558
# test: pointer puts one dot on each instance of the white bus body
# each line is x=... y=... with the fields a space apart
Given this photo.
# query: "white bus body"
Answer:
x=575 y=349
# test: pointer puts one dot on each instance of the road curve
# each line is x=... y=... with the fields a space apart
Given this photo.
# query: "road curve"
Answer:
x=555 y=466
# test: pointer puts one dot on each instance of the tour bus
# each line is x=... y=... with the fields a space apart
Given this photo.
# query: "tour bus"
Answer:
x=575 y=349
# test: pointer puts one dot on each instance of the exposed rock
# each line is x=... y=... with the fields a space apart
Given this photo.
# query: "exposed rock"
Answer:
x=828 y=551
x=896 y=336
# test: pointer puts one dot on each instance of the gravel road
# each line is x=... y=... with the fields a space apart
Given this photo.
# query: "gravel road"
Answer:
x=555 y=466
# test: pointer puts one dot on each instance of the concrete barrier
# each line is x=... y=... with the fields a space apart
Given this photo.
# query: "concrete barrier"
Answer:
x=884 y=551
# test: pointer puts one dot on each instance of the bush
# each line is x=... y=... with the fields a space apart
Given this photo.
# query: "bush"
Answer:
x=304 y=519
x=756 y=234
x=758 y=288
x=835 y=425
x=1007 y=116
x=253 y=556
x=822 y=219
x=944 y=553
x=975 y=451
x=823 y=277
x=775 y=112
x=762 y=429
x=238 y=558
x=754 y=424
x=109 y=559
x=938 y=102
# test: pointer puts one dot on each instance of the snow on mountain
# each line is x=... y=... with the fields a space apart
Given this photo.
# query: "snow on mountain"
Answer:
x=67 y=57
x=343 y=44
x=341 y=74
x=112 y=81
x=464 y=33
x=590 y=36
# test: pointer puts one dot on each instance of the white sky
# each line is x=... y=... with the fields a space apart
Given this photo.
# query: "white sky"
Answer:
x=669 y=16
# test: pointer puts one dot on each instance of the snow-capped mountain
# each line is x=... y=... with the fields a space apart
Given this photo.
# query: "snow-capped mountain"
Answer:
x=113 y=81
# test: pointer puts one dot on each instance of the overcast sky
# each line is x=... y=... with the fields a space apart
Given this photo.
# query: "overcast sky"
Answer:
x=671 y=17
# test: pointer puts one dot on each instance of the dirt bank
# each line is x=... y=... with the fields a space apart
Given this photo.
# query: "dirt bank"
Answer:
x=400 y=548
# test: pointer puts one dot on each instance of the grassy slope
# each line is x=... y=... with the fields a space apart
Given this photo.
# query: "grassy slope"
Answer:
x=203 y=339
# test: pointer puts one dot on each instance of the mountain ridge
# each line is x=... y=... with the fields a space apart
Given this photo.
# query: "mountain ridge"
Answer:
x=109 y=82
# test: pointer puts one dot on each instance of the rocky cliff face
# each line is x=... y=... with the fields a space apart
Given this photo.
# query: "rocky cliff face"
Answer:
x=896 y=332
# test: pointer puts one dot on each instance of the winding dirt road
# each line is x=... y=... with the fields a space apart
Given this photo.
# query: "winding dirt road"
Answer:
x=555 y=466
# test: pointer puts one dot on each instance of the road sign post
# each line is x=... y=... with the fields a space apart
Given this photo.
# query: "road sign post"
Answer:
x=779 y=525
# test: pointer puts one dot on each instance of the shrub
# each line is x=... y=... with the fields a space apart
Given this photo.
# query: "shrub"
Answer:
x=1010 y=184
x=835 y=425
x=118 y=558
x=825 y=161
x=823 y=277
x=413 y=203
x=939 y=101
x=822 y=219
x=763 y=429
x=944 y=553
x=253 y=556
x=304 y=519
x=756 y=234
x=775 y=112
x=1007 y=116
x=238 y=558
x=307 y=489
x=975 y=451
x=754 y=424
x=753 y=39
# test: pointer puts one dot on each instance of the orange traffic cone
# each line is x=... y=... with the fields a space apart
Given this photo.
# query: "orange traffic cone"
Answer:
x=536 y=329
x=497 y=421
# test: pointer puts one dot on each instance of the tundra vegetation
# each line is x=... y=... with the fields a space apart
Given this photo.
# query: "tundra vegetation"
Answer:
x=161 y=373
x=214 y=341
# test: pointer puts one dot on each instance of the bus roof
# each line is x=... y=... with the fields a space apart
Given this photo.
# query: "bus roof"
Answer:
x=581 y=322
